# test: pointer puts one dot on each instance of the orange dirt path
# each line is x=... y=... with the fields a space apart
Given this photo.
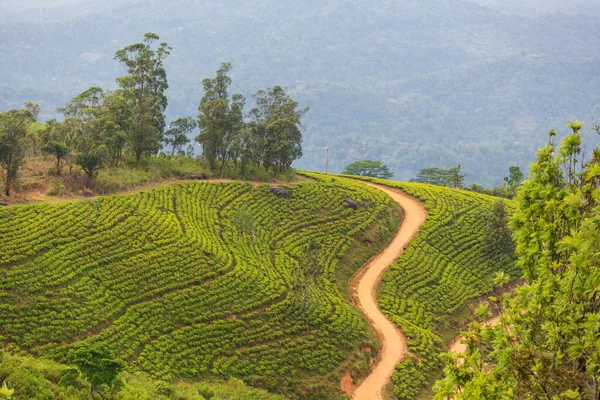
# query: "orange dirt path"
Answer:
x=393 y=342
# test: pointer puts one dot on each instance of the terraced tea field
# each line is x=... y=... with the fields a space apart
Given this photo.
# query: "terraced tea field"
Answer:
x=197 y=280
x=444 y=266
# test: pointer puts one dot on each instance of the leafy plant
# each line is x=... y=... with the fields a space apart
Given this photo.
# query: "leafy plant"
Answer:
x=98 y=366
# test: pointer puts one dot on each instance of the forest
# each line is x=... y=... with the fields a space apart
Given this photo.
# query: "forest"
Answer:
x=415 y=84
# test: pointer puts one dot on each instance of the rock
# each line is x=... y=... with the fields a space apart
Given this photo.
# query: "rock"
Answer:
x=350 y=204
x=87 y=193
x=280 y=191
x=3 y=203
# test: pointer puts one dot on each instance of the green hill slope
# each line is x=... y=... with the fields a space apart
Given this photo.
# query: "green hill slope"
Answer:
x=167 y=280
x=35 y=378
x=444 y=266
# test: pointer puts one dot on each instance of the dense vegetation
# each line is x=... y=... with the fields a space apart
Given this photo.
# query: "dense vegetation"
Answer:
x=546 y=343
x=415 y=83
x=446 y=264
x=35 y=379
x=198 y=280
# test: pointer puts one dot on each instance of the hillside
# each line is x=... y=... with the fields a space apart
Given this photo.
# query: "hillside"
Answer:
x=413 y=83
x=34 y=378
x=443 y=267
x=198 y=280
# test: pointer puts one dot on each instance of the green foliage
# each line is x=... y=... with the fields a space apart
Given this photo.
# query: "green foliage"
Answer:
x=166 y=280
x=36 y=379
x=35 y=131
x=514 y=179
x=5 y=392
x=58 y=150
x=509 y=187
x=462 y=83
x=144 y=88
x=275 y=126
x=92 y=161
x=243 y=222
x=13 y=136
x=220 y=118
x=97 y=364
x=272 y=139
x=546 y=344
x=307 y=274
x=441 y=177
x=177 y=134
x=497 y=191
x=497 y=235
x=375 y=169
x=101 y=127
x=445 y=265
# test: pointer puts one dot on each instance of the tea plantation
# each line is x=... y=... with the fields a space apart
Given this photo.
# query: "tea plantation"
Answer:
x=198 y=280
x=444 y=266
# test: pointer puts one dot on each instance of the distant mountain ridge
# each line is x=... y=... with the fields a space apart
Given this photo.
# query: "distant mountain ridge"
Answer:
x=413 y=83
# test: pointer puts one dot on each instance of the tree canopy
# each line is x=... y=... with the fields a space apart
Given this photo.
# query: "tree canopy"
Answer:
x=375 y=169
x=441 y=177
x=13 y=136
x=98 y=365
x=546 y=344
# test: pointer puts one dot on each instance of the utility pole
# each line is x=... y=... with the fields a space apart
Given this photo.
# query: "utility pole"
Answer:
x=326 y=160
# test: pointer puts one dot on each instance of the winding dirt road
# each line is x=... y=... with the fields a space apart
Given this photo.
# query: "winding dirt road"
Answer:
x=393 y=342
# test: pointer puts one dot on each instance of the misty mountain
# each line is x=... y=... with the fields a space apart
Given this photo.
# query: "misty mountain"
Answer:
x=413 y=83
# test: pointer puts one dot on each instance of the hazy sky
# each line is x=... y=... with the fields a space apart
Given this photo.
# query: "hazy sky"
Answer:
x=86 y=6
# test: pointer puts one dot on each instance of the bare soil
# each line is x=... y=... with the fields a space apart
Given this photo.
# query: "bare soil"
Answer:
x=393 y=341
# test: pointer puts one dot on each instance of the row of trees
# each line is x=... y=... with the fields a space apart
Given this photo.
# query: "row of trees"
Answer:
x=269 y=137
x=442 y=177
x=102 y=126
x=452 y=177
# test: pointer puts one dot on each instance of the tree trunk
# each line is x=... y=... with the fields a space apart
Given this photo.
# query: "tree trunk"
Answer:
x=57 y=166
x=7 y=184
x=94 y=393
x=90 y=178
x=222 y=166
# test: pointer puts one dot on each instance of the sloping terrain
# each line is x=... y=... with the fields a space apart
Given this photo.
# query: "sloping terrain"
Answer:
x=180 y=288
x=444 y=266
x=393 y=342
x=36 y=378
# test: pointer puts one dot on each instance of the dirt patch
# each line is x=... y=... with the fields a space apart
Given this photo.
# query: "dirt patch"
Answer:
x=363 y=286
x=347 y=384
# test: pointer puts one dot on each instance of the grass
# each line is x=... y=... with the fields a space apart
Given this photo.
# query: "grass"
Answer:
x=38 y=179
